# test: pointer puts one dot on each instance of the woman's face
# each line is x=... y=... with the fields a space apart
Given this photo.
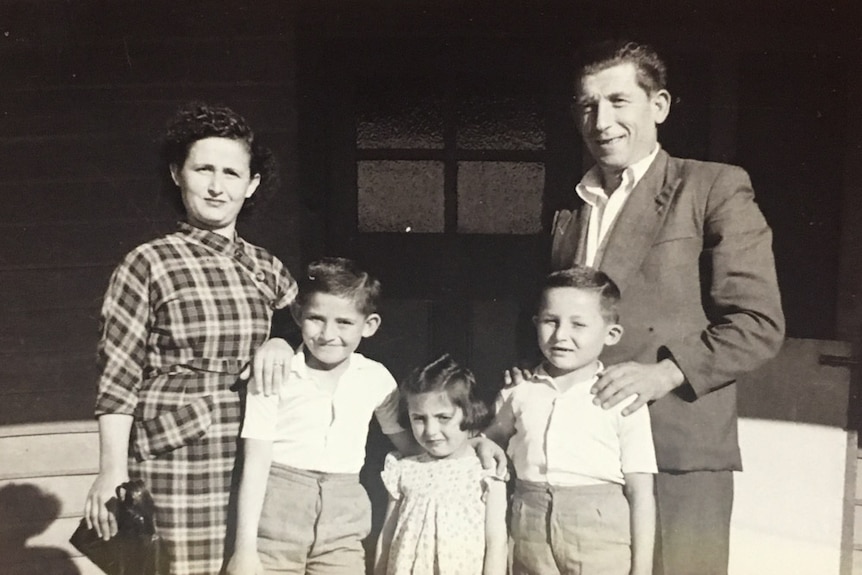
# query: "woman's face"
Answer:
x=215 y=181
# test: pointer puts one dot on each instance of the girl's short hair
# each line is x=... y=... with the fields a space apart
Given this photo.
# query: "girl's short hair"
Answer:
x=445 y=374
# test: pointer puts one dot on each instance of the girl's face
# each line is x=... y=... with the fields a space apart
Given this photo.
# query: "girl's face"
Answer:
x=436 y=424
x=215 y=181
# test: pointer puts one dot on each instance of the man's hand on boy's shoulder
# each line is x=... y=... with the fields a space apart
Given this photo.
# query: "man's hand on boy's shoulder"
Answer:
x=516 y=376
x=648 y=382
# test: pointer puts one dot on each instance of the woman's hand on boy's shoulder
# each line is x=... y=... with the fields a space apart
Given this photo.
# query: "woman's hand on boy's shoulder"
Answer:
x=648 y=382
x=270 y=367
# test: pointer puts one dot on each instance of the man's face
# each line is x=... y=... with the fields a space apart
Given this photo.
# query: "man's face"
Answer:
x=617 y=118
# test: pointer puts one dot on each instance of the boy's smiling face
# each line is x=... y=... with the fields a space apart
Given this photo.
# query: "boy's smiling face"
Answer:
x=332 y=327
x=572 y=331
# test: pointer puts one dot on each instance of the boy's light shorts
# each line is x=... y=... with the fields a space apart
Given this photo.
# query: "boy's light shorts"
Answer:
x=313 y=522
x=570 y=530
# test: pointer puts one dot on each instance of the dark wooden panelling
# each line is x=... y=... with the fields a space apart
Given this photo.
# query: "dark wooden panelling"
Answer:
x=403 y=341
x=46 y=203
x=686 y=131
x=49 y=371
x=791 y=139
x=52 y=288
x=494 y=342
x=49 y=330
x=131 y=110
x=105 y=61
x=61 y=245
x=192 y=19
x=104 y=159
x=107 y=41
x=89 y=87
x=78 y=403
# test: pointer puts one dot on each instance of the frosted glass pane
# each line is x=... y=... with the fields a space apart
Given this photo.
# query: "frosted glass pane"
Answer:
x=400 y=196
x=495 y=122
x=399 y=120
x=500 y=197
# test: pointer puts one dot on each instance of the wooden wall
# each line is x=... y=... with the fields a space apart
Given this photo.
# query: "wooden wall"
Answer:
x=87 y=87
x=46 y=473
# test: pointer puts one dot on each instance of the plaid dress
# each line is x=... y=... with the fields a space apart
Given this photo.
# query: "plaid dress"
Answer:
x=182 y=315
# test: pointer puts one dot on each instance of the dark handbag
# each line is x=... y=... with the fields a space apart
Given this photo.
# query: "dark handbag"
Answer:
x=135 y=549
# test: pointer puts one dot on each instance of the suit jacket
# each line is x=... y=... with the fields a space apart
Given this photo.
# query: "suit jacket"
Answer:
x=692 y=255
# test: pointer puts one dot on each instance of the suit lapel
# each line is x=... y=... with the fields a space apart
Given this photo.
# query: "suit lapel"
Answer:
x=570 y=237
x=639 y=222
x=583 y=226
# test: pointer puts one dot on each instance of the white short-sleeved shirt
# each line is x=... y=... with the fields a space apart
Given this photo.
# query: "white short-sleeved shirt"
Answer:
x=563 y=439
x=324 y=430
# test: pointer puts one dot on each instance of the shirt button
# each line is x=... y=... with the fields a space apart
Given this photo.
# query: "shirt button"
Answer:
x=238 y=253
x=260 y=276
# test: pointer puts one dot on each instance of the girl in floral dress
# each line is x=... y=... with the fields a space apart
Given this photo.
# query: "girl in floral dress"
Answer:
x=446 y=514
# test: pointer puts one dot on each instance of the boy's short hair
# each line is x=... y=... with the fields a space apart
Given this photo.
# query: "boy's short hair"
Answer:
x=445 y=374
x=651 y=69
x=341 y=277
x=588 y=279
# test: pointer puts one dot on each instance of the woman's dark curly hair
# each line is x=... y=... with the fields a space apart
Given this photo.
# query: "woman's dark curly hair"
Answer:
x=195 y=121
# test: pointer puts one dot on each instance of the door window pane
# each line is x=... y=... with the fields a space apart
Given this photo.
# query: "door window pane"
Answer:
x=400 y=196
x=399 y=119
x=500 y=122
x=500 y=197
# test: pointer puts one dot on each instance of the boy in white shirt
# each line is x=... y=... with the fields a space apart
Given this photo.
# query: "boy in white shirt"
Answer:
x=301 y=506
x=583 y=500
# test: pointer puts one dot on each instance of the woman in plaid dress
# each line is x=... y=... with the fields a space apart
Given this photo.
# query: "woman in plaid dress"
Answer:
x=181 y=317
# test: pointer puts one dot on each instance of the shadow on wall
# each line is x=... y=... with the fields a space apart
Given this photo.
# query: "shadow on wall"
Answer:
x=25 y=512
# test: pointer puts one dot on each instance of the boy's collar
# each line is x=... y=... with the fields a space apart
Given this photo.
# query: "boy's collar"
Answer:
x=300 y=368
x=542 y=376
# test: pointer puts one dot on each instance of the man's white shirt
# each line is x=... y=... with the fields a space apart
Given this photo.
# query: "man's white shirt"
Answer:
x=605 y=208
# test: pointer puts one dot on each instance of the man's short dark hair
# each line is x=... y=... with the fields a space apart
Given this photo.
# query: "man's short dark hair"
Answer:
x=588 y=279
x=651 y=69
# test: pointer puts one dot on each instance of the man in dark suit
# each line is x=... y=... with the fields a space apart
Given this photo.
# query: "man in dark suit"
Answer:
x=692 y=254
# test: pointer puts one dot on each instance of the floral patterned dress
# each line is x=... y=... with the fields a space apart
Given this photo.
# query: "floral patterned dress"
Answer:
x=441 y=519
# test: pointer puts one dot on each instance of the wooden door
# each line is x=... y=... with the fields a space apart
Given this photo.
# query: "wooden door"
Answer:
x=432 y=163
